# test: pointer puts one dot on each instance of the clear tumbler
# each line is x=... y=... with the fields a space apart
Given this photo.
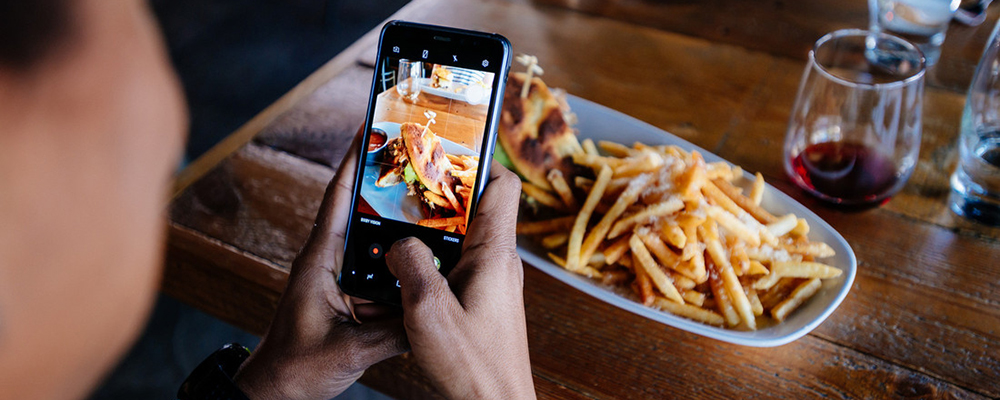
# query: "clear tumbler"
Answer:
x=975 y=185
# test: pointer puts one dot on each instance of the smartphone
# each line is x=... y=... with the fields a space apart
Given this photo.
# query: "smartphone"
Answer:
x=431 y=128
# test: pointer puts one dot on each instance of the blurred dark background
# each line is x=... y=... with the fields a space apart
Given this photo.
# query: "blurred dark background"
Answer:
x=234 y=58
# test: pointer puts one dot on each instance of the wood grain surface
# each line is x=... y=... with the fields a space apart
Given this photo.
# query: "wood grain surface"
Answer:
x=920 y=322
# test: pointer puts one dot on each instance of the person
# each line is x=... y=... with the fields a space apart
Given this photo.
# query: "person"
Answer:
x=91 y=127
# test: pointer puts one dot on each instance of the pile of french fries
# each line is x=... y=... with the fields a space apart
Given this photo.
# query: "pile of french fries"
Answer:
x=681 y=234
x=464 y=169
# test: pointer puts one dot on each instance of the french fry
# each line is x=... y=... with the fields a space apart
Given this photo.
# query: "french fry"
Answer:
x=766 y=282
x=644 y=286
x=783 y=225
x=437 y=200
x=614 y=252
x=744 y=202
x=589 y=148
x=731 y=283
x=561 y=188
x=583 y=183
x=692 y=180
x=659 y=278
x=804 y=270
x=738 y=257
x=639 y=164
x=689 y=311
x=721 y=170
x=584 y=270
x=448 y=194
x=682 y=282
x=798 y=296
x=801 y=228
x=595 y=161
x=712 y=192
x=755 y=305
x=666 y=256
x=555 y=240
x=615 y=149
x=541 y=195
x=545 y=226
x=757 y=190
x=733 y=225
x=580 y=224
x=467 y=177
x=673 y=235
x=600 y=231
x=441 y=222
x=778 y=293
x=722 y=301
x=756 y=268
x=814 y=249
x=694 y=298
x=649 y=212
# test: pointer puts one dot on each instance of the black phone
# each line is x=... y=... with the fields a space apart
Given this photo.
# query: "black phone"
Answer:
x=431 y=129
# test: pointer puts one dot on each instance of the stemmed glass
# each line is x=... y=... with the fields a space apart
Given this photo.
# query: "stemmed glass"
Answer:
x=854 y=132
x=408 y=78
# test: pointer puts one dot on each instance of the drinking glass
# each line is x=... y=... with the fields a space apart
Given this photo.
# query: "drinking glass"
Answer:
x=922 y=22
x=408 y=75
x=854 y=131
x=975 y=185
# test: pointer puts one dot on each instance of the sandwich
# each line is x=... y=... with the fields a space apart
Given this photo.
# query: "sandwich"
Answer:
x=418 y=159
x=441 y=78
x=534 y=132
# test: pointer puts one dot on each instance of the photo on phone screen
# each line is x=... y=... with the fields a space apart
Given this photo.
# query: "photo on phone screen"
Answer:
x=423 y=148
x=431 y=130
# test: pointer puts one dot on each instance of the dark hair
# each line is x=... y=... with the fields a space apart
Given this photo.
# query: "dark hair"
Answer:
x=29 y=29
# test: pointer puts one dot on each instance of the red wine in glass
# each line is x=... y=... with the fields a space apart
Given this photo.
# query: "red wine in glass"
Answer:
x=846 y=172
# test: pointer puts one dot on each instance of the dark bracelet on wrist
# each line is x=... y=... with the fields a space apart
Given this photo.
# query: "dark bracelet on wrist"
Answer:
x=213 y=378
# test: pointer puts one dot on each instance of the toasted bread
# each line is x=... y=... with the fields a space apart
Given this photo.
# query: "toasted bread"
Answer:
x=534 y=133
x=427 y=157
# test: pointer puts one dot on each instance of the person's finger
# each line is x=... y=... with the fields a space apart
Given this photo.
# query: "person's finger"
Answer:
x=421 y=285
x=492 y=232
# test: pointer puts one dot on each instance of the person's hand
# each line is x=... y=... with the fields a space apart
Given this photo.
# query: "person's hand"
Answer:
x=314 y=348
x=468 y=330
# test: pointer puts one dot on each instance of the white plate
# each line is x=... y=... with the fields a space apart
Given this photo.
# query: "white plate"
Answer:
x=471 y=94
x=601 y=123
x=392 y=202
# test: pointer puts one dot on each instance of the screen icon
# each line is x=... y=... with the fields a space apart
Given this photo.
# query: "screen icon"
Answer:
x=486 y=63
x=395 y=49
x=454 y=58
x=375 y=251
x=425 y=54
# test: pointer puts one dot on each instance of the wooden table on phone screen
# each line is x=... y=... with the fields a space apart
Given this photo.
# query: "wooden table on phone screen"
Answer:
x=923 y=317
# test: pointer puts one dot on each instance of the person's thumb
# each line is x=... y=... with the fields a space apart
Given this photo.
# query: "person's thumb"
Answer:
x=420 y=283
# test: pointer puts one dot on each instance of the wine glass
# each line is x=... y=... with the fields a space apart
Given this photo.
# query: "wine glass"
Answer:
x=408 y=76
x=854 y=132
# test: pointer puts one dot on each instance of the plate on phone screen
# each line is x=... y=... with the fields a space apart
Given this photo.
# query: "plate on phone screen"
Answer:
x=393 y=202
x=597 y=122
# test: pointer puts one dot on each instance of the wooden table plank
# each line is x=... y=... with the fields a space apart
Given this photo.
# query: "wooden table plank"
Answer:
x=783 y=28
x=920 y=321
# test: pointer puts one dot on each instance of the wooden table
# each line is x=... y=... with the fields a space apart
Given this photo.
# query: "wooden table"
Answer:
x=923 y=317
x=455 y=120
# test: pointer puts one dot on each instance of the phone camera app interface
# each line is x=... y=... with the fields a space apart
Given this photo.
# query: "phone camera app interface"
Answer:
x=423 y=149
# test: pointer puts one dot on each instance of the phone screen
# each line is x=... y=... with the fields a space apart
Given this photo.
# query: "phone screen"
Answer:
x=430 y=134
